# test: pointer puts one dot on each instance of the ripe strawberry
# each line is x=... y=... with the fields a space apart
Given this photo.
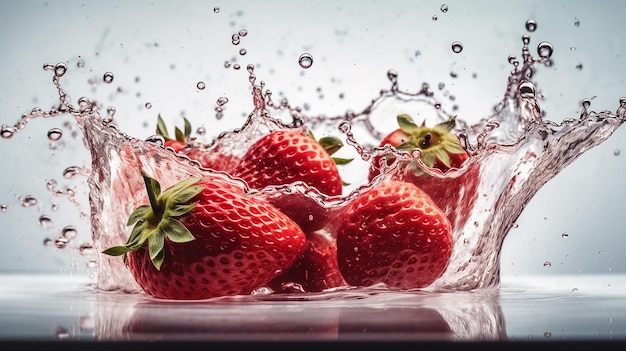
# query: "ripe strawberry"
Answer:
x=439 y=147
x=287 y=156
x=182 y=139
x=203 y=238
x=455 y=193
x=395 y=234
x=315 y=270
x=208 y=157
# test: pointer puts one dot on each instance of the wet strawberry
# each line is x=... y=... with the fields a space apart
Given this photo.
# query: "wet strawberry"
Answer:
x=393 y=234
x=183 y=144
x=203 y=238
x=288 y=156
x=456 y=192
x=181 y=140
x=315 y=270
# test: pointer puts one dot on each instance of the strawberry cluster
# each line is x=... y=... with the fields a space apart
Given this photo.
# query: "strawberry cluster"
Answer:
x=207 y=237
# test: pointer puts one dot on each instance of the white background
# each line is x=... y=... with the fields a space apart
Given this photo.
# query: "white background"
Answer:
x=159 y=50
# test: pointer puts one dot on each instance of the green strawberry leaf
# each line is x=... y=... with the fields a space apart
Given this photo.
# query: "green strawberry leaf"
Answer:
x=342 y=161
x=407 y=124
x=161 y=128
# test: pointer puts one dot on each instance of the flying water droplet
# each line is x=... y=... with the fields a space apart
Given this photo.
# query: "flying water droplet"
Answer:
x=45 y=221
x=531 y=25
x=305 y=60
x=108 y=77
x=457 y=47
x=28 y=201
x=216 y=9
x=544 y=49
x=547 y=264
x=444 y=8
x=148 y=105
x=55 y=134
x=200 y=85
x=435 y=18
x=69 y=232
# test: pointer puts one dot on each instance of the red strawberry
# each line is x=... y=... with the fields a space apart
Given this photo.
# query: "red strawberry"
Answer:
x=440 y=150
x=395 y=234
x=182 y=139
x=183 y=144
x=204 y=238
x=315 y=270
x=287 y=156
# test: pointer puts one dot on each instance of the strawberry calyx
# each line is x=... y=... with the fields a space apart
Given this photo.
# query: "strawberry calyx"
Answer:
x=331 y=145
x=183 y=136
x=436 y=144
x=154 y=222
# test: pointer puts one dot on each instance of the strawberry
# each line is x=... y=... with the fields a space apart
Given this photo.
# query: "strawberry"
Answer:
x=393 y=233
x=287 y=156
x=441 y=151
x=205 y=237
x=183 y=144
x=182 y=139
x=315 y=270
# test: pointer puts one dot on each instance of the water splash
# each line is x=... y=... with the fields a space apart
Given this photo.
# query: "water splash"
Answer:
x=514 y=153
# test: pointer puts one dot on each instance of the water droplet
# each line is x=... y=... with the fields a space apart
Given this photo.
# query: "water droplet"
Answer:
x=69 y=232
x=243 y=52
x=444 y=8
x=45 y=221
x=531 y=25
x=457 y=47
x=55 y=134
x=305 y=60
x=61 y=242
x=7 y=132
x=345 y=127
x=235 y=39
x=576 y=22
x=60 y=69
x=28 y=201
x=222 y=101
x=226 y=64
x=586 y=103
x=86 y=249
x=71 y=172
x=564 y=235
x=547 y=264
x=80 y=63
x=200 y=85
x=616 y=152
x=434 y=17
x=108 y=77
x=527 y=90
x=216 y=9
x=579 y=66
x=236 y=66
x=544 y=49
x=526 y=39
x=4 y=208
x=243 y=33
x=441 y=86
x=148 y=105
x=201 y=130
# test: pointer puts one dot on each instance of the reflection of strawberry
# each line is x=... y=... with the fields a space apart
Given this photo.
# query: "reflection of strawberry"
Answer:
x=440 y=150
x=203 y=238
x=316 y=269
x=395 y=234
x=287 y=156
x=183 y=144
